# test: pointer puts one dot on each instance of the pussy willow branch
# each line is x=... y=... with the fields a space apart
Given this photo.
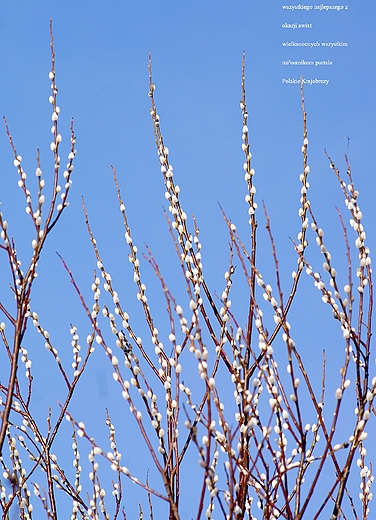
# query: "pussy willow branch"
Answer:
x=23 y=290
x=253 y=222
x=13 y=372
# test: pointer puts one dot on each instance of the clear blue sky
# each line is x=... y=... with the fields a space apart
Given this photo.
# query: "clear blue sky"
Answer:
x=101 y=62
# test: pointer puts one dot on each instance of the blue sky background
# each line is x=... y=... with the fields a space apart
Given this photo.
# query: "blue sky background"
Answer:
x=101 y=62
